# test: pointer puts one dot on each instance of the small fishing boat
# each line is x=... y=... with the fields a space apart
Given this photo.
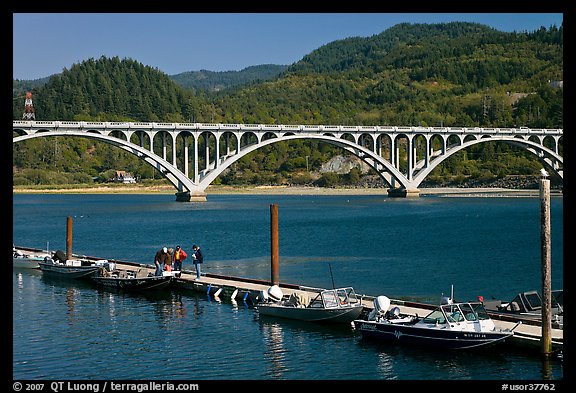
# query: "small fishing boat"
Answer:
x=139 y=280
x=528 y=305
x=329 y=305
x=69 y=268
x=27 y=259
x=460 y=325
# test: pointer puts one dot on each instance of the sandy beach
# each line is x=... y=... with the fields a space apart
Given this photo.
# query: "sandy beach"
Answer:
x=277 y=190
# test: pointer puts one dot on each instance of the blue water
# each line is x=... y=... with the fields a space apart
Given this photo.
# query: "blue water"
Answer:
x=403 y=248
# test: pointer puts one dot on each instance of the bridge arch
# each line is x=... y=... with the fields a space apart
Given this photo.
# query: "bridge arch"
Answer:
x=373 y=160
x=177 y=178
x=547 y=156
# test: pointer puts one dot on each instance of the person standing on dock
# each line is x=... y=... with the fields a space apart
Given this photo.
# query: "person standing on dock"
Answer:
x=179 y=257
x=159 y=259
x=168 y=263
x=198 y=259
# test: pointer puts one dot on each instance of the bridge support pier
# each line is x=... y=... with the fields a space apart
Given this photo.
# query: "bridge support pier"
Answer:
x=403 y=192
x=185 y=196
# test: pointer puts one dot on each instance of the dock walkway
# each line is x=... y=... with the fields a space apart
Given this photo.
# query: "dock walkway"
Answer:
x=528 y=334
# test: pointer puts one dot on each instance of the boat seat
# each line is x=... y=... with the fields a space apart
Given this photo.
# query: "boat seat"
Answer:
x=298 y=300
x=141 y=273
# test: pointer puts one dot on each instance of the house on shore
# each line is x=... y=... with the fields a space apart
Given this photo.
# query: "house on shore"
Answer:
x=123 y=177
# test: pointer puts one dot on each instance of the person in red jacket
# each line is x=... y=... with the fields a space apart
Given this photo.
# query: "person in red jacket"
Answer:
x=179 y=257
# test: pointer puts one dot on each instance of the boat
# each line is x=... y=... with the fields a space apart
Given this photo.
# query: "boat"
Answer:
x=59 y=265
x=28 y=260
x=340 y=305
x=451 y=325
x=126 y=280
x=528 y=305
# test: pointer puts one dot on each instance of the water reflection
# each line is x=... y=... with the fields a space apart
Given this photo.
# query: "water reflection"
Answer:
x=272 y=336
x=386 y=366
x=70 y=304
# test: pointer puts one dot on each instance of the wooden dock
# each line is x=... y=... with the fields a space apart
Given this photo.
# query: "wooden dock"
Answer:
x=527 y=335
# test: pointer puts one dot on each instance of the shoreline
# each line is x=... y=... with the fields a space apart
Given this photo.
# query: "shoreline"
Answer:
x=283 y=190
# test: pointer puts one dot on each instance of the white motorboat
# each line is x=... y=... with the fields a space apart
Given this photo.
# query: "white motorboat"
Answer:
x=460 y=325
x=329 y=305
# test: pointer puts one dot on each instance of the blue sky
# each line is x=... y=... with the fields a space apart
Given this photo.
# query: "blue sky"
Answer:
x=47 y=43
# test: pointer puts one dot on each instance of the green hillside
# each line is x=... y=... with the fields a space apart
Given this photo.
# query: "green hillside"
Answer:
x=222 y=80
x=453 y=74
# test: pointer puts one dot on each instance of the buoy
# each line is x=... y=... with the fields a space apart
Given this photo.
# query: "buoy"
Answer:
x=218 y=292
x=234 y=294
x=208 y=291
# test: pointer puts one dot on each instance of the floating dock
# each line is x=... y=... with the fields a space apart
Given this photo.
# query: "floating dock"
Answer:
x=238 y=289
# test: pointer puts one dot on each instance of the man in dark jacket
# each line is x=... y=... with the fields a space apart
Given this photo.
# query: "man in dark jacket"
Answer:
x=198 y=259
x=160 y=258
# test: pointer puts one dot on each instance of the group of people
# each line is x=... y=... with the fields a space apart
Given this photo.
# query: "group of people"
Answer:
x=169 y=259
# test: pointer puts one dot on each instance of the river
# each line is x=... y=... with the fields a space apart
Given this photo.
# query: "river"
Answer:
x=413 y=249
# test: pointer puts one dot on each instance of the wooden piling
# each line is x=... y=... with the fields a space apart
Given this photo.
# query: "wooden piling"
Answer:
x=274 y=277
x=69 y=237
x=546 y=265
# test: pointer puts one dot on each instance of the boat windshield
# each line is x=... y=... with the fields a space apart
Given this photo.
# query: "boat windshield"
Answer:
x=468 y=312
x=457 y=313
x=436 y=316
x=339 y=297
x=347 y=296
x=453 y=312
x=558 y=298
x=330 y=299
x=480 y=311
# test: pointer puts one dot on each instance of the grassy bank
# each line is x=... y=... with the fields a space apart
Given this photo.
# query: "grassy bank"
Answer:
x=271 y=190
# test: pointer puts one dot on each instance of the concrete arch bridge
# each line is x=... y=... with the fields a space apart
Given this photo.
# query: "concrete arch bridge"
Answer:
x=192 y=155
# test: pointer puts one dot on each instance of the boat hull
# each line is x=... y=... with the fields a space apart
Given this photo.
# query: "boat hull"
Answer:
x=69 y=271
x=439 y=338
x=134 y=284
x=27 y=263
x=338 y=315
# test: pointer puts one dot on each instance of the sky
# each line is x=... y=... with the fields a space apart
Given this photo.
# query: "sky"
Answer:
x=47 y=43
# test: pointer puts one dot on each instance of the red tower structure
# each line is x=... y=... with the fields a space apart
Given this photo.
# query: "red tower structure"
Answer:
x=28 y=108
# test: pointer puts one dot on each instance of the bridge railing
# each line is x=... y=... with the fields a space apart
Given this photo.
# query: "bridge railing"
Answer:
x=282 y=127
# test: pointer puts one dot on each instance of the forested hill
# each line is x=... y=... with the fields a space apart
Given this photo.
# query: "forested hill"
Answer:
x=405 y=44
x=112 y=89
x=459 y=74
x=218 y=81
x=195 y=80
x=450 y=74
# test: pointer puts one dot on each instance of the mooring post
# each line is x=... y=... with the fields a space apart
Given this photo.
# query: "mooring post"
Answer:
x=274 y=277
x=546 y=263
x=69 y=238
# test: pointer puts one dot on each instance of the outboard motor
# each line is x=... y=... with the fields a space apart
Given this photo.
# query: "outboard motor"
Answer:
x=381 y=304
x=262 y=296
x=275 y=293
x=59 y=256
